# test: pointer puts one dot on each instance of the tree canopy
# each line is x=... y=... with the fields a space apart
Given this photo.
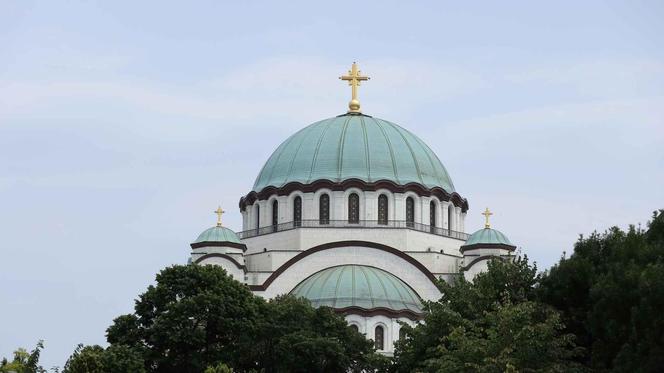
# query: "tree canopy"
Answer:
x=611 y=295
x=493 y=324
x=198 y=317
x=24 y=361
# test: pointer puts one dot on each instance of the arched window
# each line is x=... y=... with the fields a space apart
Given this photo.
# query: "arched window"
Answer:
x=432 y=216
x=382 y=209
x=410 y=212
x=275 y=215
x=258 y=217
x=324 y=209
x=353 y=208
x=402 y=333
x=379 y=338
x=297 y=211
x=354 y=327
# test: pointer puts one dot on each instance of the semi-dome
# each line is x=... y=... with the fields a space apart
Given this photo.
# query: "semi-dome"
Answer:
x=358 y=286
x=488 y=236
x=217 y=234
x=354 y=147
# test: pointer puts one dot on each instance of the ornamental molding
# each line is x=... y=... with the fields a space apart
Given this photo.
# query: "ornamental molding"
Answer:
x=393 y=187
x=487 y=246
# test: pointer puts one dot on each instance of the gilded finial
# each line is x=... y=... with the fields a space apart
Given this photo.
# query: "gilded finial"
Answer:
x=354 y=78
x=219 y=212
x=486 y=214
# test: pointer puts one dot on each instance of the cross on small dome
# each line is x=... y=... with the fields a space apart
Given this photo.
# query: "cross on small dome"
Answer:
x=486 y=214
x=219 y=211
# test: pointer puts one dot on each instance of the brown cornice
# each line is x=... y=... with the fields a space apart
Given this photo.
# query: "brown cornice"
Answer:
x=227 y=257
x=380 y=311
x=393 y=187
x=487 y=246
x=333 y=245
x=235 y=245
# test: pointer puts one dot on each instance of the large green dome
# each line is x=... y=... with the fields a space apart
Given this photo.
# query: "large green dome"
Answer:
x=354 y=147
x=358 y=286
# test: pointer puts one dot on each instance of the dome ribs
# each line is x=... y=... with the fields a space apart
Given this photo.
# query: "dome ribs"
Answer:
x=318 y=144
x=367 y=155
x=412 y=154
x=342 y=144
x=389 y=145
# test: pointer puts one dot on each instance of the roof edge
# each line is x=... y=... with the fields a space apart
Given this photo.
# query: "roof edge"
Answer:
x=419 y=189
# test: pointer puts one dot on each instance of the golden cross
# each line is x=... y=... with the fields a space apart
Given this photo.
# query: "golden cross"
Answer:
x=486 y=214
x=354 y=78
x=219 y=212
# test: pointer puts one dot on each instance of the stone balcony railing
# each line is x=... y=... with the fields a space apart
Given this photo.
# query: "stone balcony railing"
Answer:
x=361 y=224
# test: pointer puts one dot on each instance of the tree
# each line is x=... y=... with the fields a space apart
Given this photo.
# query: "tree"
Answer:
x=194 y=317
x=611 y=293
x=24 y=361
x=219 y=368
x=96 y=359
x=85 y=359
x=490 y=324
x=197 y=317
x=524 y=337
x=295 y=337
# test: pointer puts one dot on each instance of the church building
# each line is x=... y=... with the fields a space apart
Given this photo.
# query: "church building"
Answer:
x=358 y=214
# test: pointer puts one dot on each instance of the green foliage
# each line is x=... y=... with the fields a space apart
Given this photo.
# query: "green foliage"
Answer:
x=197 y=317
x=219 y=368
x=505 y=281
x=611 y=294
x=96 y=359
x=295 y=337
x=24 y=361
x=491 y=324
x=194 y=317
x=524 y=336
x=86 y=359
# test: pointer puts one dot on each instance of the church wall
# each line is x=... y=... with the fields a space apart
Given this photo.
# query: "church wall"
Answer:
x=305 y=238
x=477 y=268
x=231 y=268
x=284 y=240
x=268 y=261
x=439 y=264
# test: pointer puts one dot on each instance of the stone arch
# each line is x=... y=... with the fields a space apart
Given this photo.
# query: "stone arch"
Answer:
x=317 y=258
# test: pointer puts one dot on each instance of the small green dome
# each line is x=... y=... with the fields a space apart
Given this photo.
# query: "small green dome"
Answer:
x=358 y=286
x=488 y=236
x=217 y=234
x=354 y=147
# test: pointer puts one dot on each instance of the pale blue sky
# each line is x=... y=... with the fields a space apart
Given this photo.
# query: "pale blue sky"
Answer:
x=123 y=125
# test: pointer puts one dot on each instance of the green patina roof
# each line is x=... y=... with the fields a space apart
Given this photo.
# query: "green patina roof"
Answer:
x=488 y=236
x=353 y=146
x=359 y=286
x=217 y=234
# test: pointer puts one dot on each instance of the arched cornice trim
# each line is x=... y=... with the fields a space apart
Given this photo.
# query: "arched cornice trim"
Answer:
x=235 y=245
x=417 y=188
x=380 y=311
x=218 y=255
x=487 y=246
x=333 y=245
